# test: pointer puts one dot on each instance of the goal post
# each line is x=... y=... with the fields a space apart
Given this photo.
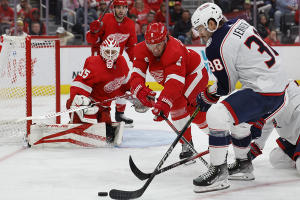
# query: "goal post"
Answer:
x=29 y=83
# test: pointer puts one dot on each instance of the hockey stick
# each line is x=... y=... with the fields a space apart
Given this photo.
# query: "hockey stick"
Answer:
x=143 y=176
x=184 y=140
x=105 y=11
x=120 y=194
x=72 y=109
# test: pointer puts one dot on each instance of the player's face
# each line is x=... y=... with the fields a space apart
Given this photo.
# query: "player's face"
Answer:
x=120 y=11
x=203 y=33
x=157 y=49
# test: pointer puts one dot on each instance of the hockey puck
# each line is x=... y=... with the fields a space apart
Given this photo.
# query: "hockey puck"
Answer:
x=102 y=194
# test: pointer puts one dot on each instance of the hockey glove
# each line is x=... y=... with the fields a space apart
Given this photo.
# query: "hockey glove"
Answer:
x=256 y=128
x=144 y=94
x=95 y=26
x=80 y=100
x=163 y=104
x=255 y=151
x=206 y=100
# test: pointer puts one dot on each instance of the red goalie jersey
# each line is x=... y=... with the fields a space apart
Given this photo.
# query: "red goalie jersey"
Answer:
x=124 y=32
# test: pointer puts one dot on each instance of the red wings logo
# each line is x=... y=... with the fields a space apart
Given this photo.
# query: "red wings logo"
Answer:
x=114 y=85
x=119 y=37
x=157 y=75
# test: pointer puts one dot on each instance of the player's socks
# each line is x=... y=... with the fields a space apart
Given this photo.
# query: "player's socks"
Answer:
x=241 y=169
x=216 y=178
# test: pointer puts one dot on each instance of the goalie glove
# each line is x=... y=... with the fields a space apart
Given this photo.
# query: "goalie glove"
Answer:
x=206 y=100
x=80 y=100
x=144 y=94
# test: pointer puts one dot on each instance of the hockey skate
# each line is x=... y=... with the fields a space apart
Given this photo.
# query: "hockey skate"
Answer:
x=215 y=179
x=186 y=152
x=241 y=169
x=120 y=116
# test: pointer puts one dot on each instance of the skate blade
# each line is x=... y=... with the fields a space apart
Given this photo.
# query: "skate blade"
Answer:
x=190 y=162
x=219 y=185
x=242 y=177
x=128 y=126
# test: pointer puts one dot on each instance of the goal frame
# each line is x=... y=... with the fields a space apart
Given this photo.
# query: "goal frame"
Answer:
x=29 y=76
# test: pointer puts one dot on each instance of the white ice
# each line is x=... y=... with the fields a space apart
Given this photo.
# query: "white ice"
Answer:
x=79 y=174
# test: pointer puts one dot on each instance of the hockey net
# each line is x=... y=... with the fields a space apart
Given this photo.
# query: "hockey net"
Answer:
x=29 y=83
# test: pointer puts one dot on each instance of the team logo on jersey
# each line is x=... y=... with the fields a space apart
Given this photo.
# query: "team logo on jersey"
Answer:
x=275 y=124
x=119 y=37
x=157 y=75
x=114 y=85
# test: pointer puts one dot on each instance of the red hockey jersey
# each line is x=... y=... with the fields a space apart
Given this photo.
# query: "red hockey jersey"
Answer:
x=124 y=31
x=99 y=82
x=169 y=70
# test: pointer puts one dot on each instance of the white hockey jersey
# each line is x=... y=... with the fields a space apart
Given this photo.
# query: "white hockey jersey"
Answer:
x=236 y=52
x=287 y=123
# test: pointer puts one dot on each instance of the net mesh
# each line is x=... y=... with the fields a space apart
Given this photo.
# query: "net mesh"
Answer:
x=13 y=84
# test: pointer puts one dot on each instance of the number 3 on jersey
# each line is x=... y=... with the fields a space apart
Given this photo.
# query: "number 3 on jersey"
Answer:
x=215 y=65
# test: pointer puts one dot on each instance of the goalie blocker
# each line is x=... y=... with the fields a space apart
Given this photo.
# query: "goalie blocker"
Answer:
x=75 y=135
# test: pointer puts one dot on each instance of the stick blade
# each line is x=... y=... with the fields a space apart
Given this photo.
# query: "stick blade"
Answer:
x=138 y=173
x=120 y=194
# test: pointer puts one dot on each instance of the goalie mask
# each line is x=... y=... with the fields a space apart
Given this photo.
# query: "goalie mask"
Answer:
x=109 y=51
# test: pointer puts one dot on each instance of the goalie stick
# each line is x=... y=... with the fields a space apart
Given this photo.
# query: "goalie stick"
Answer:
x=71 y=110
x=121 y=194
x=143 y=176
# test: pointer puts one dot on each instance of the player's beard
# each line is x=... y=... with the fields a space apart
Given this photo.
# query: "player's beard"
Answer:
x=119 y=18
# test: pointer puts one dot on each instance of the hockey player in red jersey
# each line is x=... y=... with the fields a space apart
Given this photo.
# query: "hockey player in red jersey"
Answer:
x=122 y=29
x=103 y=77
x=179 y=70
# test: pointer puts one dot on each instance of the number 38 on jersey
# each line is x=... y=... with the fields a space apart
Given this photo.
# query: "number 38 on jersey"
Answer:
x=216 y=65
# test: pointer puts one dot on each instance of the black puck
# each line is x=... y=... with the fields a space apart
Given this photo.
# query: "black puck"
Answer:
x=102 y=194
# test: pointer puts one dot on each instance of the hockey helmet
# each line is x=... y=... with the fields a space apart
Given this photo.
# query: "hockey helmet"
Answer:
x=155 y=33
x=109 y=51
x=206 y=12
x=120 y=3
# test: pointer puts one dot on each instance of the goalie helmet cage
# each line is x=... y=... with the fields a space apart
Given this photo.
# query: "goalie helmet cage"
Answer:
x=29 y=83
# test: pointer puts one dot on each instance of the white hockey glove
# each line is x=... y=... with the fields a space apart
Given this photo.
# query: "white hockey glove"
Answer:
x=80 y=100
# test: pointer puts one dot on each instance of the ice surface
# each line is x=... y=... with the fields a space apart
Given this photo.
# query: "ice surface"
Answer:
x=79 y=174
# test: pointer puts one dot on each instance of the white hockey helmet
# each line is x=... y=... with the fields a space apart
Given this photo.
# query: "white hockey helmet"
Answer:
x=205 y=12
x=109 y=51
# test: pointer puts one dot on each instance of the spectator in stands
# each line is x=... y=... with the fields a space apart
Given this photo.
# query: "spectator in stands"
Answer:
x=150 y=19
x=93 y=3
x=224 y=5
x=102 y=8
x=140 y=10
x=91 y=16
x=263 y=27
x=182 y=27
x=34 y=16
x=248 y=12
x=35 y=29
x=25 y=24
x=153 y=4
x=273 y=7
x=133 y=17
x=297 y=17
x=71 y=5
x=64 y=36
x=237 y=5
x=176 y=14
x=172 y=4
x=20 y=26
x=6 y=16
x=141 y=37
x=193 y=38
x=24 y=6
x=272 y=38
x=160 y=16
x=283 y=7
